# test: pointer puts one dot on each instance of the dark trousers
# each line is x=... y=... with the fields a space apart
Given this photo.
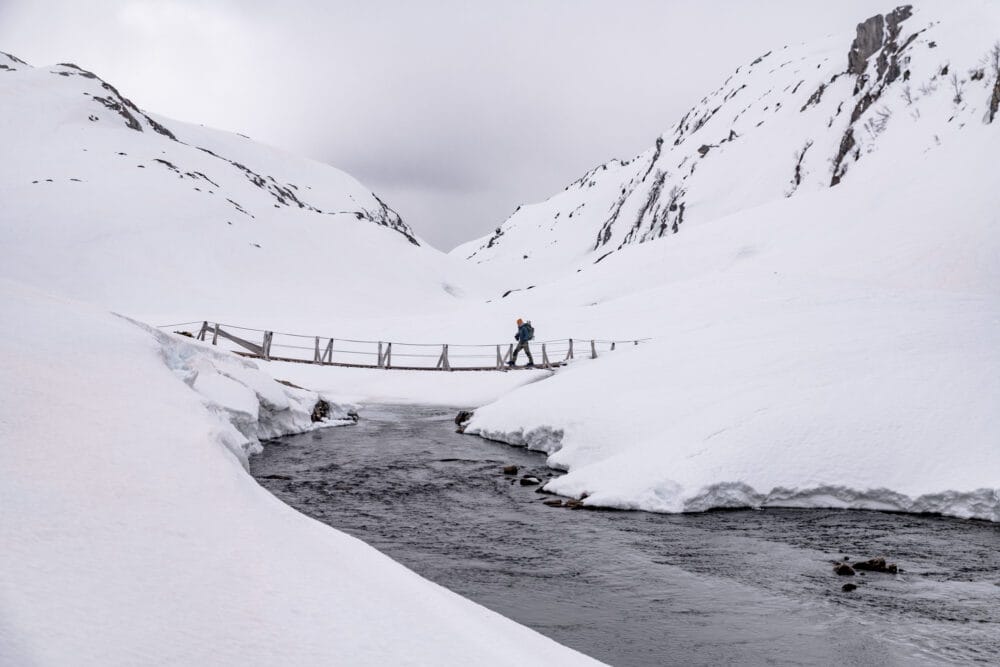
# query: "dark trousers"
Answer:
x=522 y=345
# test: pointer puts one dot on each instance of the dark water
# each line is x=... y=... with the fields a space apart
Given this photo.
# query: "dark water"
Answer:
x=632 y=588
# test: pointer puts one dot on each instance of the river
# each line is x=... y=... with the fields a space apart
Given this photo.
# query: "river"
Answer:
x=634 y=588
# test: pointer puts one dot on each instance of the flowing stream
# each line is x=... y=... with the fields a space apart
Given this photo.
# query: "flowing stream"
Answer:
x=634 y=588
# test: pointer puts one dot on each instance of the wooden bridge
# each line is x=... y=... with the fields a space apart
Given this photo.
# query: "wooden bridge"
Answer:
x=331 y=351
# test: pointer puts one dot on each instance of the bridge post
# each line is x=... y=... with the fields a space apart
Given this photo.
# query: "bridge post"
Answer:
x=545 y=358
x=265 y=347
x=443 y=359
x=388 y=355
x=215 y=335
x=499 y=359
x=328 y=353
x=316 y=358
x=204 y=329
x=612 y=346
x=569 y=355
x=380 y=354
x=593 y=350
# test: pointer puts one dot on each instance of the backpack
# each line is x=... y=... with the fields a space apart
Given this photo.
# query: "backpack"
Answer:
x=529 y=332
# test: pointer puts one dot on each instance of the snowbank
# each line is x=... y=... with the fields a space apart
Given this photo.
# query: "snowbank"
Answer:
x=888 y=404
x=132 y=535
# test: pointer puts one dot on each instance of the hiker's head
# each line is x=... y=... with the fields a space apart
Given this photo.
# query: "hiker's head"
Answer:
x=520 y=321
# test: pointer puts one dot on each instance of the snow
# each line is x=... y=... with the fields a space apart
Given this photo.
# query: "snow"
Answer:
x=132 y=534
x=804 y=356
x=373 y=385
x=811 y=346
x=203 y=226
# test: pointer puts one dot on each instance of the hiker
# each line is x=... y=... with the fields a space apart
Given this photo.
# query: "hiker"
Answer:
x=525 y=332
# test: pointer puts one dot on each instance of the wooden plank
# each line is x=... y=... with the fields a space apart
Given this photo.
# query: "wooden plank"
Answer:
x=256 y=349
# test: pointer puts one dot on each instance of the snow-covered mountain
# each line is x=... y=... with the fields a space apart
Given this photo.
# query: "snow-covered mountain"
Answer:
x=105 y=202
x=815 y=252
x=798 y=118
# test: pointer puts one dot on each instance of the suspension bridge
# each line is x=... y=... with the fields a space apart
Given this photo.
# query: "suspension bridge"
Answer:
x=388 y=355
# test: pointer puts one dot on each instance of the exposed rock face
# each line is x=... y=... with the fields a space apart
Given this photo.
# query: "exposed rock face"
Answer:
x=462 y=417
x=995 y=100
x=877 y=34
x=868 y=41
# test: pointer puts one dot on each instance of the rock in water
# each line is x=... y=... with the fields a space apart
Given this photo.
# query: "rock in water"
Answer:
x=462 y=417
x=847 y=588
x=877 y=565
x=510 y=470
x=529 y=480
x=320 y=411
x=553 y=502
x=844 y=570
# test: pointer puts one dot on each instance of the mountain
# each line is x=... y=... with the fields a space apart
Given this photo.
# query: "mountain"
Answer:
x=108 y=203
x=814 y=254
x=796 y=119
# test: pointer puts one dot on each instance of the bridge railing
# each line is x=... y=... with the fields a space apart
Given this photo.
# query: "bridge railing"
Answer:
x=333 y=351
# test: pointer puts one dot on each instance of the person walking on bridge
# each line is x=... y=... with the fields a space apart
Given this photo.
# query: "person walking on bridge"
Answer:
x=525 y=332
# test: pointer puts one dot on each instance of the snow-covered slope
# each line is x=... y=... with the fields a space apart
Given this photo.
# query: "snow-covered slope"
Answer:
x=160 y=219
x=825 y=351
x=132 y=535
x=799 y=118
x=836 y=347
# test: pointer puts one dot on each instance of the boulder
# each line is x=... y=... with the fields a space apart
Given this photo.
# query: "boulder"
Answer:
x=877 y=565
x=320 y=411
x=847 y=588
x=573 y=504
x=843 y=569
x=462 y=417
x=553 y=502
x=529 y=480
x=510 y=470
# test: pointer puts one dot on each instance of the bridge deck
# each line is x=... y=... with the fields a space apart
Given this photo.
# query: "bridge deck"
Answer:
x=349 y=353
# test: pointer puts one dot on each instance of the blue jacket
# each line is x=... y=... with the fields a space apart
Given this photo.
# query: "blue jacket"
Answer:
x=522 y=332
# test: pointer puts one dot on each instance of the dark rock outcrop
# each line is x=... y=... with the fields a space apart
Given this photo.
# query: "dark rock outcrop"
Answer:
x=847 y=588
x=995 y=100
x=877 y=565
x=510 y=470
x=843 y=569
x=320 y=411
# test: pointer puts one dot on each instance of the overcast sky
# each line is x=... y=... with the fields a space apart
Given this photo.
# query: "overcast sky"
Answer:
x=453 y=112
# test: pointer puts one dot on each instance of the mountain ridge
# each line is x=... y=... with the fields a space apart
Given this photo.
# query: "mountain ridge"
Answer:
x=799 y=117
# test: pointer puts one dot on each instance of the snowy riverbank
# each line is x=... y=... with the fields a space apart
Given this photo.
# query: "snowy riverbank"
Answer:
x=132 y=534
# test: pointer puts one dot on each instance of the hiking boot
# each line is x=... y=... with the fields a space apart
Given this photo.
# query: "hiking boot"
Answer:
x=531 y=364
x=510 y=363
